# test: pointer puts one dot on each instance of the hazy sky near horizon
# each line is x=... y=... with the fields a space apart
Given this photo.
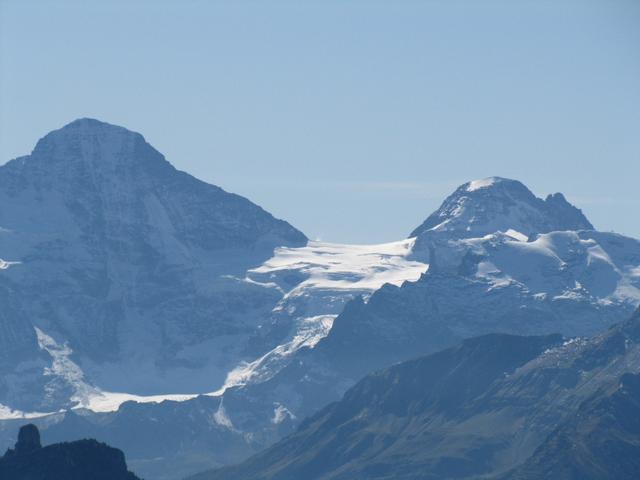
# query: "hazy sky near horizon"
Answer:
x=352 y=120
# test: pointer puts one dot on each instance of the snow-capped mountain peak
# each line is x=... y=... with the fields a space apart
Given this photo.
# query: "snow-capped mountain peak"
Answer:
x=98 y=144
x=108 y=248
x=481 y=207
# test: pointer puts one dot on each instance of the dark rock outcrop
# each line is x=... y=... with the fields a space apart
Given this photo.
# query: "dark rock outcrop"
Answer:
x=28 y=440
x=80 y=460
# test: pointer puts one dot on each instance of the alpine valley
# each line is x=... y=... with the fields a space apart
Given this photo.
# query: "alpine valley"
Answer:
x=191 y=329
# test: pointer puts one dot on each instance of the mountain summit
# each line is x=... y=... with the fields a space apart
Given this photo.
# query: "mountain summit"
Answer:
x=493 y=204
x=112 y=180
x=89 y=139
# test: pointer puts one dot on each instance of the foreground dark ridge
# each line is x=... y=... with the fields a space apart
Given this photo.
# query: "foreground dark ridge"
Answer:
x=80 y=460
x=496 y=406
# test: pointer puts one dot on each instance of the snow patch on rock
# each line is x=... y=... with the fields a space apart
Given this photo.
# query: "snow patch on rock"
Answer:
x=281 y=413
x=4 y=265
x=474 y=185
x=221 y=417
x=308 y=333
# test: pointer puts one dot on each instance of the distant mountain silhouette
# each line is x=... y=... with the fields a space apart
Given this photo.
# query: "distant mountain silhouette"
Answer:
x=80 y=460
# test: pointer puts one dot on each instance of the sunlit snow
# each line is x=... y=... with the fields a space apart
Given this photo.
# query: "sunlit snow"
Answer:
x=7 y=413
x=5 y=265
x=482 y=183
x=308 y=333
x=516 y=235
x=349 y=267
x=85 y=395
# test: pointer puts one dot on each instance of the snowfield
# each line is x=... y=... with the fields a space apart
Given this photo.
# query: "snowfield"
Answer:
x=345 y=267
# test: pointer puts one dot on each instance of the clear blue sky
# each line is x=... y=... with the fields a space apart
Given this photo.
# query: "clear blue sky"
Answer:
x=352 y=120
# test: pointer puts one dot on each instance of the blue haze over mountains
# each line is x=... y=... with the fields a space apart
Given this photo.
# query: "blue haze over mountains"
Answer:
x=407 y=101
x=496 y=406
x=137 y=298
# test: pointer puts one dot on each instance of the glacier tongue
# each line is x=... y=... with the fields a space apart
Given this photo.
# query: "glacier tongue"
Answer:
x=307 y=333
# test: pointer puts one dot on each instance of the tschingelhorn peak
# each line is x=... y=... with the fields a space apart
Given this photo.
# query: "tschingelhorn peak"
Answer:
x=492 y=204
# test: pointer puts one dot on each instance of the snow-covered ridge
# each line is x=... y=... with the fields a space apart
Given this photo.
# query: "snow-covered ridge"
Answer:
x=590 y=267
